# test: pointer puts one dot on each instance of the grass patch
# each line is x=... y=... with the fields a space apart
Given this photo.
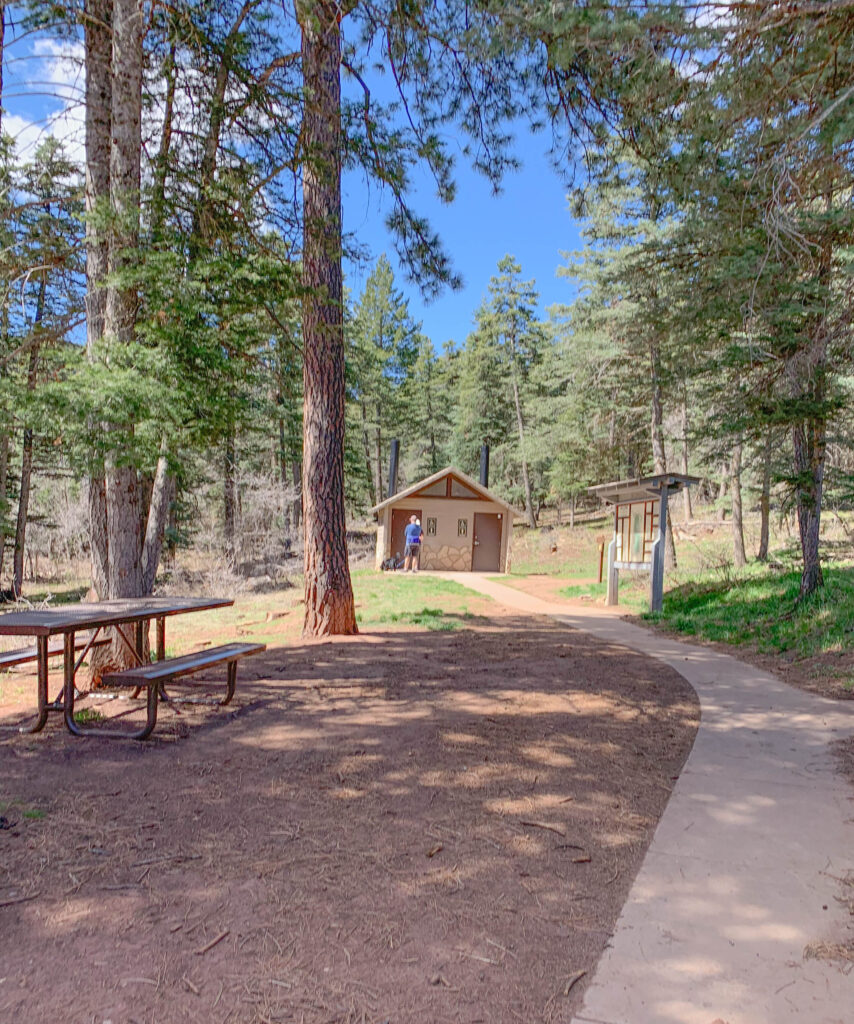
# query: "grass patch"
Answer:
x=86 y=715
x=596 y=590
x=762 y=608
x=389 y=599
x=61 y=592
x=633 y=593
x=31 y=813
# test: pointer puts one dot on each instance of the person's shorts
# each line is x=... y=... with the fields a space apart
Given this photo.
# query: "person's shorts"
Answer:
x=412 y=550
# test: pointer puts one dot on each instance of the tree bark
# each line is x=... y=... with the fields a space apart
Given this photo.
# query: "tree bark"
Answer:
x=98 y=545
x=204 y=209
x=809 y=441
x=659 y=455
x=807 y=377
x=4 y=494
x=229 y=501
x=686 y=491
x=739 y=556
x=765 y=501
x=4 y=434
x=122 y=491
x=329 y=606
x=378 y=450
x=27 y=457
x=369 y=464
x=2 y=45
x=162 y=494
x=161 y=162
x=722 y=491
x=520 y=426
x=296 y=476
x=97 y=21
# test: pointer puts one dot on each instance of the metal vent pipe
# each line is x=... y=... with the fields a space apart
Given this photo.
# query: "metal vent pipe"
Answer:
x=484 y=465
x=394 y=458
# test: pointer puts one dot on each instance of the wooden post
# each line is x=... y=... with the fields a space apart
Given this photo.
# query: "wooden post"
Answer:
x=656 y=576
x=613 y=572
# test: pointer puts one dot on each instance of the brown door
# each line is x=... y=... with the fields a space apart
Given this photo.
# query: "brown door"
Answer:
x=399 y=522
x=486 y=549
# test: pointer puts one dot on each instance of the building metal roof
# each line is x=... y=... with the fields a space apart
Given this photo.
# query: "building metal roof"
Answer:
x=641 y=488
x=447 y=471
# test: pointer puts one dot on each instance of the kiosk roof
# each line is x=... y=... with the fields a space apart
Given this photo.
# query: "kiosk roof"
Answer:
x=641 y=488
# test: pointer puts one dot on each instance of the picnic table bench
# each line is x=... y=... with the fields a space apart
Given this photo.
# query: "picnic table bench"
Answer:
x=55 y=648
x=69 y=623
x=153 y=676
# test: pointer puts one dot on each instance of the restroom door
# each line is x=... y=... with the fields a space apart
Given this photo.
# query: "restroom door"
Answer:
x=486 y=546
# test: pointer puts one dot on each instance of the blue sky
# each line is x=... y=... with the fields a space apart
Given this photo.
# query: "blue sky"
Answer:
x=528 y=220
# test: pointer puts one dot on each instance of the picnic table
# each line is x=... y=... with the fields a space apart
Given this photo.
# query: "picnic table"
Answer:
x=70 y=620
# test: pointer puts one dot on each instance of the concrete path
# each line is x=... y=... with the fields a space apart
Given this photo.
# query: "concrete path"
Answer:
x=747 y=864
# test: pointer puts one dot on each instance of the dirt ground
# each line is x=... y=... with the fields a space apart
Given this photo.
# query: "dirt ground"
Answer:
x=402 y=827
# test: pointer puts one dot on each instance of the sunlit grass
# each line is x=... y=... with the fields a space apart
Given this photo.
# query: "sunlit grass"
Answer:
x=395 y=599
x=761 y=607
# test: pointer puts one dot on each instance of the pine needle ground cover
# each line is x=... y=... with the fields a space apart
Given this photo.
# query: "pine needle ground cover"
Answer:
x=406 y=825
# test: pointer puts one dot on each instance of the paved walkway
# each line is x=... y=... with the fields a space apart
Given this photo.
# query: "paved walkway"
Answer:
x=745 y=866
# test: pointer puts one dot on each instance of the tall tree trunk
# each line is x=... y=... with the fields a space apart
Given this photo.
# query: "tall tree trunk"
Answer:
x=659 y=455
x=296 y=477
x=27 y=456
x=739 y=556
x=204 y=209
x=4 y=494
x=2 y=45
x=431 y=425
x=520 y=426
x=722 y=489
x=161 y=162
x=4 y=434
x=809 y=442
x=229 y=501
x=686 y=491
x=97 y=21
x=282 y=462
x=378 y=453
x=369 y=463
x=123 y=516
x=329 y=606
x=806 y=373
x=765 y=501
x=162 y=494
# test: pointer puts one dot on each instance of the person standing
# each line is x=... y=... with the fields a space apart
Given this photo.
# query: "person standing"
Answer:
x=412 y=551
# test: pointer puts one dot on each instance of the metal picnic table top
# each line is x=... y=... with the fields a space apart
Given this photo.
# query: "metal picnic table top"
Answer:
x=71 y=617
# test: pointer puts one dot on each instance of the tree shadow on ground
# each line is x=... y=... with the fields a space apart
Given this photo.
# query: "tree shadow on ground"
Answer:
x=394 y=826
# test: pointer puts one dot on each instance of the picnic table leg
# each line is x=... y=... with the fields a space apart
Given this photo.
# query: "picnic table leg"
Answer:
x=139 y=645
x=39 y=724
x=68 y=684
x=74 y=728
x=232 y=681
x=160 y=653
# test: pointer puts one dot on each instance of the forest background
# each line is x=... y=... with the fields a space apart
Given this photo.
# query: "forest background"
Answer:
x=156 y=327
